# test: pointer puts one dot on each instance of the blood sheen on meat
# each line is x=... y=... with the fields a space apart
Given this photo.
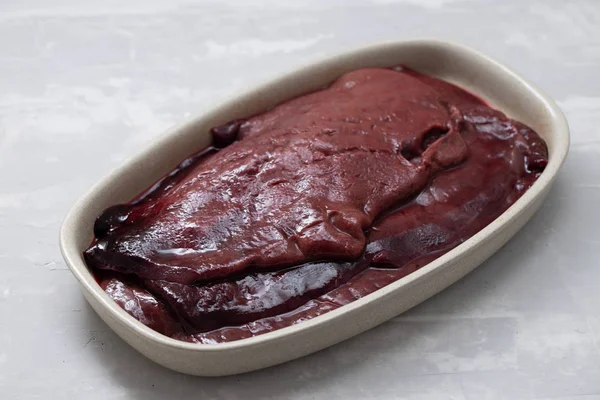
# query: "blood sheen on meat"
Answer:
x=313 y=204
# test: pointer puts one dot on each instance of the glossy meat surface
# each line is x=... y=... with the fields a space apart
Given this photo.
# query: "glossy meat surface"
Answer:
x=303 y=183
x=313 y=204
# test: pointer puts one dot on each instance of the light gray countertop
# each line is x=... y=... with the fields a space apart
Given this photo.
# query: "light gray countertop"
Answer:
x=85 y=84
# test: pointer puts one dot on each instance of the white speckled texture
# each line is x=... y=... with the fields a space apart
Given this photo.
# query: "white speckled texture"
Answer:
x=81 y=79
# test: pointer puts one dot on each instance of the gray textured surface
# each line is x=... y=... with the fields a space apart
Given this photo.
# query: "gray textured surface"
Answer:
x=84 y=84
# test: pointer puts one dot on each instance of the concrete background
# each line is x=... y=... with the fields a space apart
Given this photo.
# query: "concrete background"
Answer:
x=84 y=84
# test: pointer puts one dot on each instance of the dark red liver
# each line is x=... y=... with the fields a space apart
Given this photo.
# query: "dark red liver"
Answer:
x=313 y=204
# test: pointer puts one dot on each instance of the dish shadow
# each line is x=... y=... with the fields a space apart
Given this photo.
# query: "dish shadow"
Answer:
x=381 y=355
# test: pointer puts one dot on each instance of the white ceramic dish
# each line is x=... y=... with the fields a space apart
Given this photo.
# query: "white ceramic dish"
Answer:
x=471 y=70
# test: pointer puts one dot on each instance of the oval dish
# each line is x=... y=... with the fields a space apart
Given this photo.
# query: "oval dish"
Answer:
x=499 y=86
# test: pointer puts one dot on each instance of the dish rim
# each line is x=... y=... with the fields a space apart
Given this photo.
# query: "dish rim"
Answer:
x=80 y=270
